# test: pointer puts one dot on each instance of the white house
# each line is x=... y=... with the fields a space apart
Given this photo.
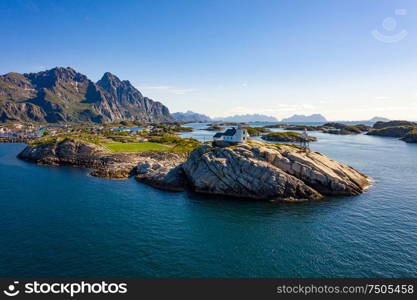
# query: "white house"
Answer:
x=233 y=135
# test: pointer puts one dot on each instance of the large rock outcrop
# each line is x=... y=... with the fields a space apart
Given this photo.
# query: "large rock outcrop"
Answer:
x=259 y=171
x=159 y=169
x=162 y=170
x=85 y=155
x=269 y=172
x=64 y=95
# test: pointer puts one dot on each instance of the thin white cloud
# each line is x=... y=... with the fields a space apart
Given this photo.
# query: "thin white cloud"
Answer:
x=166 y=89
x=182 y=91
x=382 y=98
x=155 y=87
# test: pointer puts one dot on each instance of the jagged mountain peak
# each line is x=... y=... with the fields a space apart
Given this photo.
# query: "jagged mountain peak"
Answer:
x=122 y=91
x=62 y=69
x=57 y=71
x=109 y=79
x=49 y=77
x=62 y=94
x=109 y=82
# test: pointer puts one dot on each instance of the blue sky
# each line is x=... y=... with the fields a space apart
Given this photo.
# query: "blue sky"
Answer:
x=226 y=57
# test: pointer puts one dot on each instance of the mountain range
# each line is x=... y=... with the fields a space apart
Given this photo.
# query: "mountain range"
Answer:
x=64 y=95
x=190 y=116
x=248 y=118
x=378 y=119
x=304 y=118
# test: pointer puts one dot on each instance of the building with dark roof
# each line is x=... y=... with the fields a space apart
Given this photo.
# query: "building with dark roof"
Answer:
x=234 y=135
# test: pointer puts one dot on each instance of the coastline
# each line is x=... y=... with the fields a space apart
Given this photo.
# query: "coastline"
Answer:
x=256 y=170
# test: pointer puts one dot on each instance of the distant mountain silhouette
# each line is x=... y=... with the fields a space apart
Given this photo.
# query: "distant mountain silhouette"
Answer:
x=190 y=116
x=304 y=118
x=248 y=118
x=378 y=119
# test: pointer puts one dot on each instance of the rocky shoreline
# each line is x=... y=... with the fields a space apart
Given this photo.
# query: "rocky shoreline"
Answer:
x=256 y=170
x=102 y=162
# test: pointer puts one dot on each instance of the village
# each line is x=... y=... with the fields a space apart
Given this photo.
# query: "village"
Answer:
x=24 y=132
x=128 y=136
x=116 y=137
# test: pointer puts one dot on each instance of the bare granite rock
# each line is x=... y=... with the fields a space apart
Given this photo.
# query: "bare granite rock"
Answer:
x=162 y=170
x=318 y=171
x=268 y=172
x=259 y=170
x=158 y=169
x=82 y=154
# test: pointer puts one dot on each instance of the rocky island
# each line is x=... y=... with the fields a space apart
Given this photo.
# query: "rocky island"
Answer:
x=214 y=127
x=287 y=137
x=405 y=130
x=256 y=131
x=254 y=170
x=331 y=128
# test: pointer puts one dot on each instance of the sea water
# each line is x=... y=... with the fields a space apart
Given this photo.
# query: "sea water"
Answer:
x=59 y=221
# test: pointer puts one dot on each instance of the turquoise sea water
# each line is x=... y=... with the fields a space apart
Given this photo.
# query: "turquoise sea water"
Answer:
x=58 y=221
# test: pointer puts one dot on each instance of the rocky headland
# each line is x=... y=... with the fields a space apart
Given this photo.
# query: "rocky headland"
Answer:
x=101 y=161
x=405 y=130
x=410 y=137
x=256 y=170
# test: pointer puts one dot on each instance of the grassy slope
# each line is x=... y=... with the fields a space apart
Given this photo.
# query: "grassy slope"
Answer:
x=135 y=147
x=284 y=134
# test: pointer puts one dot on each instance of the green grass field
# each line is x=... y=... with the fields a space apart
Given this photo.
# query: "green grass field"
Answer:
x=284 y=134
x=135 y=147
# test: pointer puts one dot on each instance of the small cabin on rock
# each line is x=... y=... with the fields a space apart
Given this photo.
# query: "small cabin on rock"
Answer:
x=233 y=135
